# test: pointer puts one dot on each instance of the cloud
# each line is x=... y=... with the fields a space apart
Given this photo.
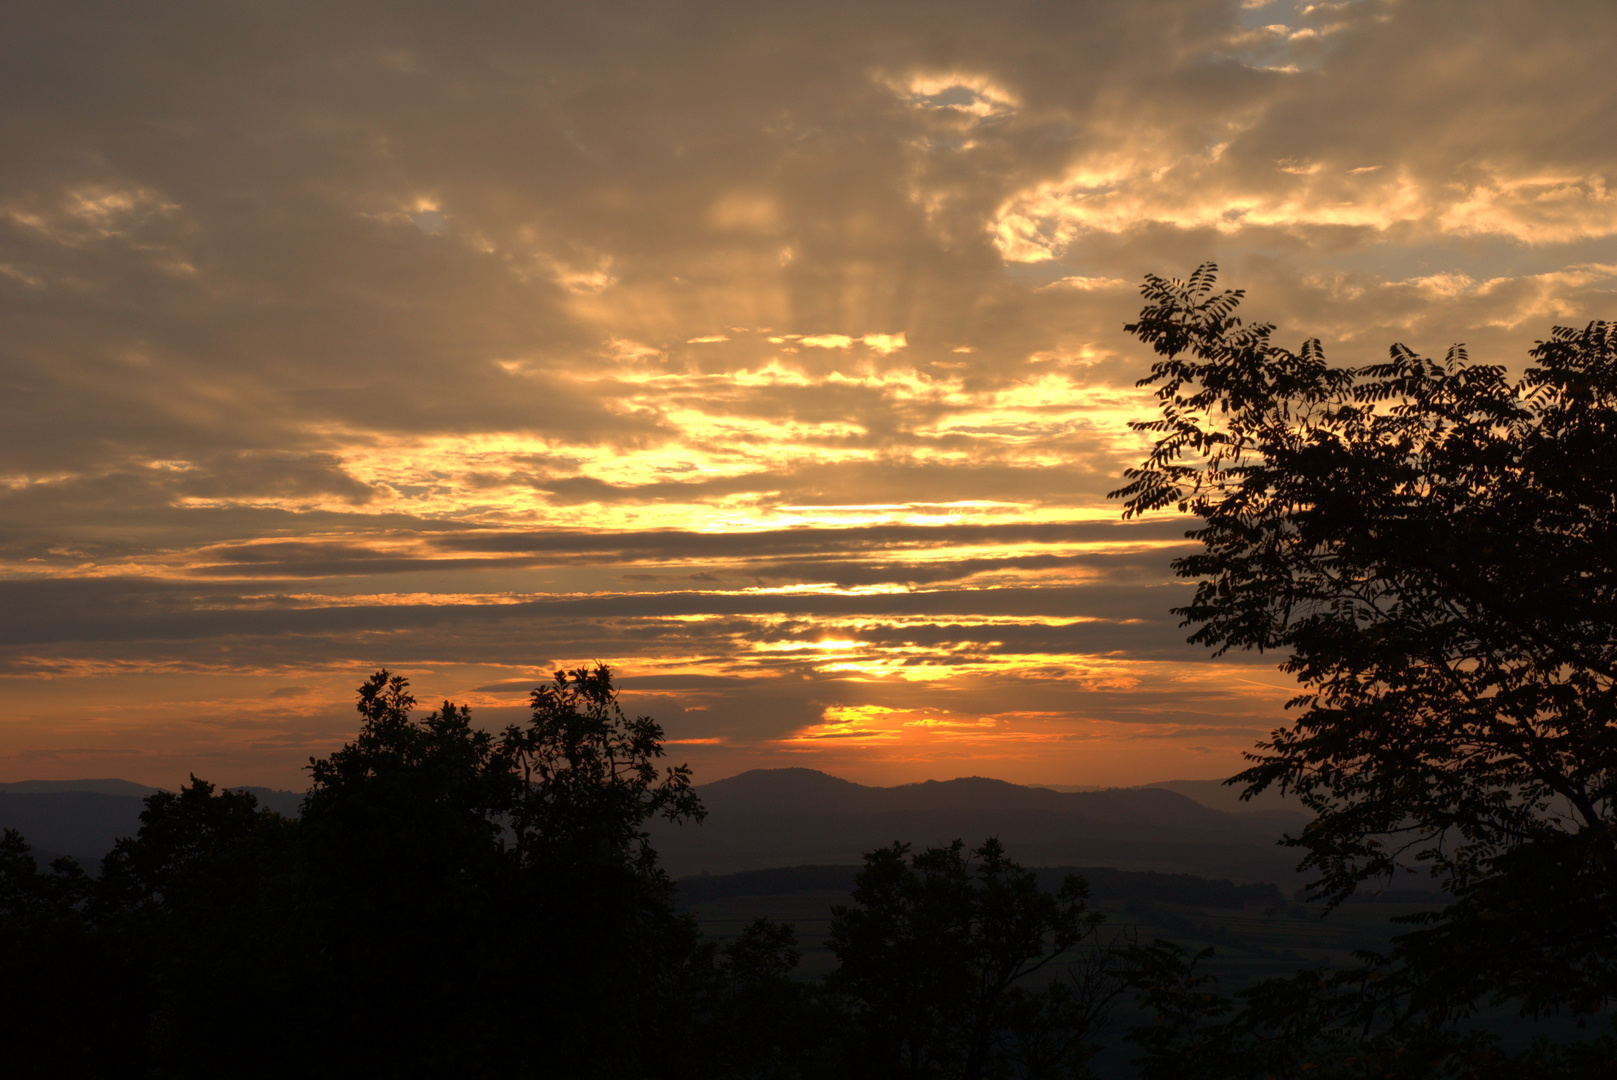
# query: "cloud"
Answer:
x=663 y=333
x=827 y=341
x=886 y=344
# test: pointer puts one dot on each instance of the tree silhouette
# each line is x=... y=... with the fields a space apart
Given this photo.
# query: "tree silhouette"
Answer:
x=181 y=952
x=589 y=776
x=497 y=884
x=758 y=1020
x=620 y=967
x=55 y=968
x=406 y=888
x=1430 y=547
x=931 y=953
x=201 y=901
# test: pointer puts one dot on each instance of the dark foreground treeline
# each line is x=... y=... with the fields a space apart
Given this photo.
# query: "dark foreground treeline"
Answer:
x=454 y=903
x=1102 y=882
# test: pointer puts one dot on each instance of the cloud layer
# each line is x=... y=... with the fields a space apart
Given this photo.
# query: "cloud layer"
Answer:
x=772 y=353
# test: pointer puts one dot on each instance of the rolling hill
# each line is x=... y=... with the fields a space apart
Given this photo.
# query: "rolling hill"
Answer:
x=782 y=817
x=769 y=818
x=84 y=818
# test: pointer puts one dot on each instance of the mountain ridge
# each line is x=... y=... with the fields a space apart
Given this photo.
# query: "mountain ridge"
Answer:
x=764 y=818
x=57 y=817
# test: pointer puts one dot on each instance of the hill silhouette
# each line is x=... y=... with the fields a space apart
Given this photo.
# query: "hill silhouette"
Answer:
x=1105 y=883
x=768 y=818
x=99 y=787
x=1221 y=796
x=84 y=818
x=83 y=824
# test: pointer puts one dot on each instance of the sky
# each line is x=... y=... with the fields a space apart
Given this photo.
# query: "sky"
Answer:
x=772 y=354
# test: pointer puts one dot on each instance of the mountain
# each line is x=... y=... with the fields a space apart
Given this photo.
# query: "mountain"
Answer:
x=769 y=818
x=84 y=818
x=83 y=824
x=1214 y=793
x=1220 y=796
x=99 y=787
x=285 y=803
x=780 y=817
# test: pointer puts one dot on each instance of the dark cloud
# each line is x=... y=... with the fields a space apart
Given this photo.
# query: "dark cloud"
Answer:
x=797 y=541
x=112 y=610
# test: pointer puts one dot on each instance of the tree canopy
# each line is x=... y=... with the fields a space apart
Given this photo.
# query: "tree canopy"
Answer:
x=935 y=951
x=502 y=881
x=451 y=902
x=456 y=901
x=1430 y=547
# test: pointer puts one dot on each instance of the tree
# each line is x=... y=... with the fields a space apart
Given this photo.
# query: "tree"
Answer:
x=406 y=891
x=622 y=963
x=476 y=895
x=452 y=902
x=758 y=1021
x=201 y=903
x=1317 y=1024
x=589 y=776
x=1430 y=547
x=179 y=954
x=931 y=951
x=55 y=969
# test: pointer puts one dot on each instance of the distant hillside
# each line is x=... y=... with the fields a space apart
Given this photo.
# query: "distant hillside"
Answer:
x=99 y=787
x=769 y=818
x=1222 y=796
x=1214 y=793
x=1105 y=883
x=84 y=818
x=83 y=824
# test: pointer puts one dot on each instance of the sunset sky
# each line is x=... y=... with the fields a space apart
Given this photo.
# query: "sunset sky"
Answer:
x=771 y=353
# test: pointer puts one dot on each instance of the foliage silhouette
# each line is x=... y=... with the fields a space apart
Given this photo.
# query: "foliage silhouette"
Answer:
x=199 y=900
x=406 y=888
x=931 y=953
x=450 y=903
x=55 y=969
x=1320 y=1025
x=589 y=776
x=757 y=1020
x=456 y=902
x=1431 y=547
x=502 y=882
